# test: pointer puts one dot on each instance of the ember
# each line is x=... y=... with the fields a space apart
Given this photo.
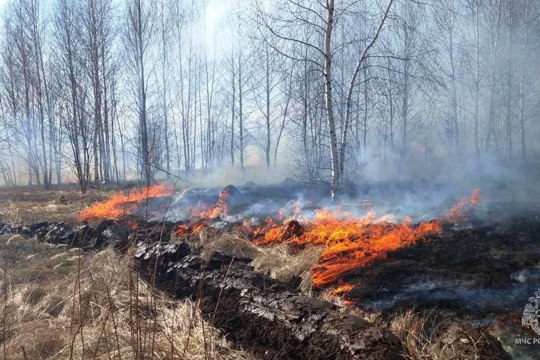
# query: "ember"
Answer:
x=191 y=229
x=343 y=288
x=339 y=293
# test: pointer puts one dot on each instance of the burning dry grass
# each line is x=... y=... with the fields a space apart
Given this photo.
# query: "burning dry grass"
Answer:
x=121 y=205
x=62 y=304
x=349 y=243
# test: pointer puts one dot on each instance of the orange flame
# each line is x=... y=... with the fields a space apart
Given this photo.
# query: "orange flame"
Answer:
x=340 y=293
x=458 y=213
x=341 y=289
x=368 y=243
x=221 y=207
x=349 y=243
x=189 y=230
x=121 y=205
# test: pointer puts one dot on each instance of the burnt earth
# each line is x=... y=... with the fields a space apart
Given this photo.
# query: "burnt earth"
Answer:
x=118 y=234
x=481 y=271
x=261 y=313
x=462 y=341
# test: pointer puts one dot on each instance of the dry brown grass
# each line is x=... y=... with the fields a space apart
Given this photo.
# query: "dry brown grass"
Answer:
x=283 y=264
x=280 y=262
x=35 y=205
x=433 y=336
x=412 y=329
x=226 y=243
x=64 y=304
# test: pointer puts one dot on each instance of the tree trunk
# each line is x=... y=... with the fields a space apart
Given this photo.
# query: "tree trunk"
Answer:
x=509 y=71
x=328 y=99
x=477 y=79
x=233 y=108
x=241 y=110
x=267 y=145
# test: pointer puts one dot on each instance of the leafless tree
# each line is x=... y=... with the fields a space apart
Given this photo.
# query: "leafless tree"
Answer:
x=139 y=37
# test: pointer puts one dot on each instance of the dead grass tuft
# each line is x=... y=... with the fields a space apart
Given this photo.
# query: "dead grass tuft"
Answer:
x=15 y=237
x=282 y=264
x=230 y=244
x=10 y=213
x=410 y=328
x=434 y=336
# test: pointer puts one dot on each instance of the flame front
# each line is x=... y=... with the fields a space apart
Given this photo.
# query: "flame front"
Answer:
x=349 y=243
x=221 y=207
x=458 y=213
x=189 y=230
x=121 y=205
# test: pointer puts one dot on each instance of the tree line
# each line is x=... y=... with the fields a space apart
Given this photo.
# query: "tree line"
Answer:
x=99 y=91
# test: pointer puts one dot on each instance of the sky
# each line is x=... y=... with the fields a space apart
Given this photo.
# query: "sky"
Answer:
x=218 y=28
